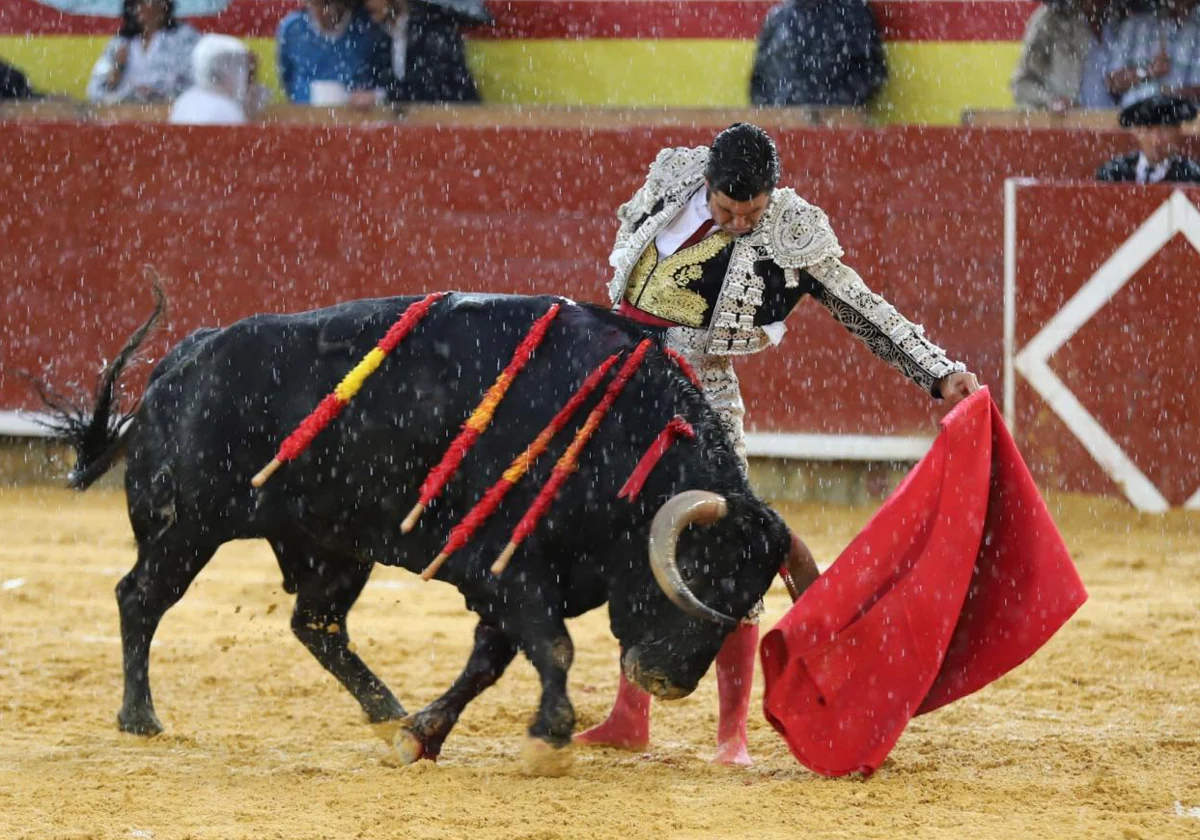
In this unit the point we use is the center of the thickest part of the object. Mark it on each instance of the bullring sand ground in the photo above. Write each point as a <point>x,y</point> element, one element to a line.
<point>1098,736</point>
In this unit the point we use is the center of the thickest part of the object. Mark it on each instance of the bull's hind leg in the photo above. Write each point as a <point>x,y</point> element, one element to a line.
<point>327,585</point>
<point>166,566</point>
<point>422,735</point>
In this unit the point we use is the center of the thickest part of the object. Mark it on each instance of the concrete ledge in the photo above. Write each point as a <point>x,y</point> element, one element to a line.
<point>826,481</point>
<point>37,461</point>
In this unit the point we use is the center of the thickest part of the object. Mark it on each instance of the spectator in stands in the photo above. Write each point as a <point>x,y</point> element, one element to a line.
<point>423,58</point>
<point>327,41</point>
<point>149,60</point>
<point>1156,53</point>
<point>1157,124</point>
<point>13,84</point>
<point>221,82</point>
<point>818,52</point>
<point>1064,57</point>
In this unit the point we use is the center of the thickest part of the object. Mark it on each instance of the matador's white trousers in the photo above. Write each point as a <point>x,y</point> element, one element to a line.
<point>720,385</point>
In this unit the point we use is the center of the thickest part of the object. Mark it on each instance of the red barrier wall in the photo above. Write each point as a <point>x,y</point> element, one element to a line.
<point>284,218</point>
<point>899,20</point>
<point>1132,363</point>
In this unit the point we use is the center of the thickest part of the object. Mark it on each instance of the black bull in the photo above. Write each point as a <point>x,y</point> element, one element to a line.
<point>218,405</point>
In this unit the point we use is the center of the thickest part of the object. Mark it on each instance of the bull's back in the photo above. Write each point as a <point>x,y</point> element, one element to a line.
<point>221,402</point>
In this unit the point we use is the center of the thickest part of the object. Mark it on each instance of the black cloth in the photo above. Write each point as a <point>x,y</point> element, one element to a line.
<point>435,65</point>
<point>13,84</point>
<point>818,52</point>
<point>1123,168</point>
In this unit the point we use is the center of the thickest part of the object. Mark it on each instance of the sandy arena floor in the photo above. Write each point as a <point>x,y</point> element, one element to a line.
<point>1098,736</point>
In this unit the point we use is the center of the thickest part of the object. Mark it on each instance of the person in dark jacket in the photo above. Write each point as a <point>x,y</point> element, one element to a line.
<point>424,58</point>
<point>13,84</point>
<point>818,52</point>
<point>1157,124</point>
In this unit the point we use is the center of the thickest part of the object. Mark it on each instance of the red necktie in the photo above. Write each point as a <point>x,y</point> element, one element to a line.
<point>697,235</point>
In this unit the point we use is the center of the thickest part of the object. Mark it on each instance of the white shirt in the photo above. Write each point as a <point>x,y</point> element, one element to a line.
<point>199,106</point>
<point>679,230</point>
<point>137,63</point>
<point>399,33</point>
<point>1147,174</point>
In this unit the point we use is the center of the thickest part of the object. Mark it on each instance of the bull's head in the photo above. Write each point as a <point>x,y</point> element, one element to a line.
<point>712,577</point>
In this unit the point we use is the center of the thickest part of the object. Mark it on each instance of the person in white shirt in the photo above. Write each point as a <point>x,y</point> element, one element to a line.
<point>150,58</point>
<point>221,70</point>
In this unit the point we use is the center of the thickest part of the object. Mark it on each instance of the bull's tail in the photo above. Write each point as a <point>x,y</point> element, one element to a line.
<point>97,432</point>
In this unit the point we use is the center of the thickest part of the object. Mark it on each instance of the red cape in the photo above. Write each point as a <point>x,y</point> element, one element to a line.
<point>960,577</point>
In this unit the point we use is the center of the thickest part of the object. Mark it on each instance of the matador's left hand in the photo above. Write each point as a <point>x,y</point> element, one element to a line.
<point>957,387</point>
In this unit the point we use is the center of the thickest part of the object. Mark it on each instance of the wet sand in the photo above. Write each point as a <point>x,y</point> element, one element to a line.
<point>1097,736</point>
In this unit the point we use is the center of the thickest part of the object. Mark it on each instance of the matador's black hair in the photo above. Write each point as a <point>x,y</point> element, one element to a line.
<point>743,162</point>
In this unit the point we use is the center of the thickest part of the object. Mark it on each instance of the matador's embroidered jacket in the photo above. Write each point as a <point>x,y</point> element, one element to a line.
<point>729,295</point>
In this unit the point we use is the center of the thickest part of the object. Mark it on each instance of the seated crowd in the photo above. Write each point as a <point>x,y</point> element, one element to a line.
<point>329,52</point>
<point>1141,57</point>
<point>1108,53</point>
<point>1098,54</point>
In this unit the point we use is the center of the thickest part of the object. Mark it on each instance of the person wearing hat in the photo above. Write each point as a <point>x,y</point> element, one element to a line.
<point>1157,124</point>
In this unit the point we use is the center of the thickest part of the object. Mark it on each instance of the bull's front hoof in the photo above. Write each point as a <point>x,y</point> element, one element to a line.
<point>387,730</point>
<point>143,722</point>
<point>541,759</point>
<point>408,747</point>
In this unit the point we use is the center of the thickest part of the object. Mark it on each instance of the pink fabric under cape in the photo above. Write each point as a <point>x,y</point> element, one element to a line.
<point>960,577</point>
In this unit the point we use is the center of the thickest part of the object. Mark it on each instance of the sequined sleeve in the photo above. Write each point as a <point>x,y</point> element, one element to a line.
<point>629,214</point>
<point>876,323</point>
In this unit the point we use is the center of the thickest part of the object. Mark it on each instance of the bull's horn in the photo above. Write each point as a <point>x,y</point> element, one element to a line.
<point>800,569</point>
<point>681,510</point>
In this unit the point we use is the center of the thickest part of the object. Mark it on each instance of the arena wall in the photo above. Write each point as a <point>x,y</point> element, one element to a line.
<point>293,217</point>
<point>1101,340</point>
<point>943,55</point>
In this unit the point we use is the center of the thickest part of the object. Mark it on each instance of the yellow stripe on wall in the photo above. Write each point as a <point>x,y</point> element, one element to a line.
<point>685,73</point>
<point>929,82</point>
<point>935,82</point>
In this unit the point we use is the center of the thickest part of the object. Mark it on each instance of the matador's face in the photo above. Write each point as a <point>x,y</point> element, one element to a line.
<point>737,217</point>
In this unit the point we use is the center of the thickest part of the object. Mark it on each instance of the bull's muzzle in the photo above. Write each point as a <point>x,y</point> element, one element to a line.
<point>650,679</point>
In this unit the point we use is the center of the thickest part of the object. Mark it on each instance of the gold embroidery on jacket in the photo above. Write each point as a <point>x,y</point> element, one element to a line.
<point>661,288</point>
